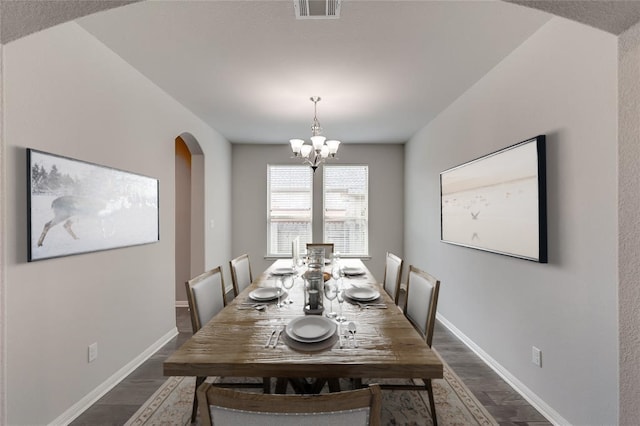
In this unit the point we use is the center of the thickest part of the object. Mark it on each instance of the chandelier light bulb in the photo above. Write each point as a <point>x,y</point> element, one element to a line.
<point>318,142</point>
<point>324,151</point>
<point>333,146</point>
<point>305,150</point>
<point>296,144</point>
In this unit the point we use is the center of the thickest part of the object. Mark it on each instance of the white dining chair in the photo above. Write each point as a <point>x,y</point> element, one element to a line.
<point>392,276</point>
<point>226,407</point>
<point>241,276</point>
<point>206,298</point>
<point>328,249</point>
<point>205,295</point>
<point>420,308</point>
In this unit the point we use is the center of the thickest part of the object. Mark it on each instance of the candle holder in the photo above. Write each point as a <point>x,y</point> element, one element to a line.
<point>314,282</point>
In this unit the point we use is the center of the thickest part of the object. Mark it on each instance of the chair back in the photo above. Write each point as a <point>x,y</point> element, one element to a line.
<point>392,276</point>
<point>422,301</point>
<point>328,249</point>
<point>205,294</point>
<point>221,407</point>
<point>241,276</point>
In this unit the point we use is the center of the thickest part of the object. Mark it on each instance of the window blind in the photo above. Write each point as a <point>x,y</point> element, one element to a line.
<point>290,199</point>
<point>346,208</point>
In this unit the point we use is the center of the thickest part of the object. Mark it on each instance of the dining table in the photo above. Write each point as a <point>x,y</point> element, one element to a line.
<point>251,339</point>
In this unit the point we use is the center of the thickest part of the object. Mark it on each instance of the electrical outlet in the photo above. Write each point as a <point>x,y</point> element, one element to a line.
<point>536,356</point>
<point>93,352</point>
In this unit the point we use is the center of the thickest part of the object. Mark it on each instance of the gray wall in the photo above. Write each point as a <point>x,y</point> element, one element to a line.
<point>249,198</point>
<point>561,82</point>
<point>629,224</point>
<point>66,93</point>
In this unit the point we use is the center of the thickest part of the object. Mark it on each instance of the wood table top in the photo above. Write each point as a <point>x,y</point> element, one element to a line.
<point>233,342</point>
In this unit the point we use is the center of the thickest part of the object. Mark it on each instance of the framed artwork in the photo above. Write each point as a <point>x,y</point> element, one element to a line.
<point>498,202</point>
<point>78,207</point>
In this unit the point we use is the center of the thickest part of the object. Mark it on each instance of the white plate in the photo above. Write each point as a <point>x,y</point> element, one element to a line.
<point>310,329</point>
<point>264,293</point>
<point>362,294</point>
<point>352,271</point>
<point>283,271</point>
<point>327,343</point>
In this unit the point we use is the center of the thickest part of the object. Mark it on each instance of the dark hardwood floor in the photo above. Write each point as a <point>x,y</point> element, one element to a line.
<point>505,404</point>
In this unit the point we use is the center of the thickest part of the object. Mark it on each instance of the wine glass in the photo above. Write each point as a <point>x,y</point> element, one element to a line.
<point>336,270</point>
<point>340,297</point>
<point>287,282</point>
<point>330,292</point>
<point>280,302</point>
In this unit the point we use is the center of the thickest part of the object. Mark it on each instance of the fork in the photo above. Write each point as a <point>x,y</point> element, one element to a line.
<point>273,332</point>
<point>278,333</point>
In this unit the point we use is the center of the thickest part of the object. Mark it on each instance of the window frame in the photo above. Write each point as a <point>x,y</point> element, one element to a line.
<point>269,216</point>
<point>366,252</point>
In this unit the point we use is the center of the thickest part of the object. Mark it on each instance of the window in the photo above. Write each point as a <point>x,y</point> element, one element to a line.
<point>290,199</point>
<point>346,205</point>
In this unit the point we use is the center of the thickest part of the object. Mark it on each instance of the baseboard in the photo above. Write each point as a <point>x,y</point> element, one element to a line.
<point>88,400</point>
<point>552,415</point>
<point>182,304</point>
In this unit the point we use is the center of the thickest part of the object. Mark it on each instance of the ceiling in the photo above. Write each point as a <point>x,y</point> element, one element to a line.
<point>383,70</point>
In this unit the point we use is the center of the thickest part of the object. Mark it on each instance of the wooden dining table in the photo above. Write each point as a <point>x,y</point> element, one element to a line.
<point>232,344</point>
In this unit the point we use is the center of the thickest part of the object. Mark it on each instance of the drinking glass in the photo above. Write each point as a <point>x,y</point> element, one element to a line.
<point>300,261</point>
<point>330,292</point>
<point>280,302</point>
<point>336,270</point>
<point>340,297</point>
<point>287,282</point>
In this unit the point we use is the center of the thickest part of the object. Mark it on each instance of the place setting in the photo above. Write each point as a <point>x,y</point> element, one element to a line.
<point>364,296</point>
<point>284,271</point>
<point>353,272</point>
<point>310,333</point>
<point>262,296</point>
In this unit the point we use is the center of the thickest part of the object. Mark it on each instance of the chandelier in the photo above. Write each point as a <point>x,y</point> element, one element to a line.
<point>320,148</point>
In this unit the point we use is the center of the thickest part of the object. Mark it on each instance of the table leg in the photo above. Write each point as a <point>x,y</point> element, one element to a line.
<point>281,385</point>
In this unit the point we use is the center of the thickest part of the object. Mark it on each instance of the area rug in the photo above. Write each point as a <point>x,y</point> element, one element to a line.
<point>455,405</point>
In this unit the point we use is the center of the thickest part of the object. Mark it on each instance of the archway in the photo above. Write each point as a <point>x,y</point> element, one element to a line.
<point>189,213</point>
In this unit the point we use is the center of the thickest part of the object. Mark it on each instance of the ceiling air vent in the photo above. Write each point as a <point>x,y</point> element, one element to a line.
<point>317,9</point>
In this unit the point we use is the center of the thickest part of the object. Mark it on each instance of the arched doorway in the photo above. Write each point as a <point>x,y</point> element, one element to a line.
<point>189,213</point>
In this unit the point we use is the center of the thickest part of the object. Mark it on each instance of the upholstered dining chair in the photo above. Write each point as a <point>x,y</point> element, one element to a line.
<point>205,294</point>
<point>420,309</point>
<point>241,276</point>
<point>392,276</point>
<point>328,248</point>
<point>224,407</point>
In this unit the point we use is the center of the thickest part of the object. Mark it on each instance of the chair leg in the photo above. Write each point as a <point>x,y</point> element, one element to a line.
<point>281,385</point>
<point>432,402</point>
<point>334,385</point>
<point>194,411</point>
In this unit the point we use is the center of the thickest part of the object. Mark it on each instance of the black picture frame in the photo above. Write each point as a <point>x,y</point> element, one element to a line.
<point>79,207</point>
<point>498,202</point>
